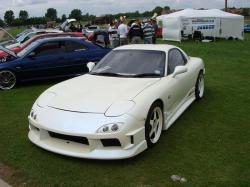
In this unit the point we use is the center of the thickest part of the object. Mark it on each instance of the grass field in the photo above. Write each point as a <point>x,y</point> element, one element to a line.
<point>209,145</point>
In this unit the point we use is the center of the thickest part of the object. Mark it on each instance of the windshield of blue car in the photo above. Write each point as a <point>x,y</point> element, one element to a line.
<point>27,49</point>
<point>132,63</point>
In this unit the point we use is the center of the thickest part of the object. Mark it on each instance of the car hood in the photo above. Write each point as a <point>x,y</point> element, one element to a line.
<point>95,94</point>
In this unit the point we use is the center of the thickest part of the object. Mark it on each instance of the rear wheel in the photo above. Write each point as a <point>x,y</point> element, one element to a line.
<point>200,86</point>
<point>7,80</point>
<point>153,125</point>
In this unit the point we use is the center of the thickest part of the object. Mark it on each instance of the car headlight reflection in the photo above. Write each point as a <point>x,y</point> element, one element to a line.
<point>109,128</point>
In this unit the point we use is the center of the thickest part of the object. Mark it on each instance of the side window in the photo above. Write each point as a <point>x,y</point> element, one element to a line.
<point>28,37</point>
<point>74,46</point>
<point>175,58</point>
<point>50,48</point>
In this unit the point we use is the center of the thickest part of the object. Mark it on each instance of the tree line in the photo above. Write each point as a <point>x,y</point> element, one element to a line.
<point>51,15</point>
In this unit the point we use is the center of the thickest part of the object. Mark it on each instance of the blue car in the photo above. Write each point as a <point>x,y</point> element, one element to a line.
<point>49,58</point>
<point>247,28</point>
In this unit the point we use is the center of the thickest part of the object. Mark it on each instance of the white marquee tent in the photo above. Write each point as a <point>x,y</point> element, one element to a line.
<point>213,22</point>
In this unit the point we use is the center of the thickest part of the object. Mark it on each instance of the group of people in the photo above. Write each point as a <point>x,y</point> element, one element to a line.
<point>138,32</point>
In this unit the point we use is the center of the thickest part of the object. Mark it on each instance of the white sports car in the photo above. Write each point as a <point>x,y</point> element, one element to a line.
<point>120,108</point>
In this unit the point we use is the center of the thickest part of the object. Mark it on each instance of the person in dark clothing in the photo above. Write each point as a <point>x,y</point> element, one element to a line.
<point>135,33</point>
<point>155,26</point>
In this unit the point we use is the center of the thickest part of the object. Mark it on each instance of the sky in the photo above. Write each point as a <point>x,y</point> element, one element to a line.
<point>101,7</point>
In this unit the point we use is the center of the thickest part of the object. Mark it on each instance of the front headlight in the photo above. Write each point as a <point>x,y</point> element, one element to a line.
<point>119,108</point>
<point>110,128</point>
<point>33,114</point>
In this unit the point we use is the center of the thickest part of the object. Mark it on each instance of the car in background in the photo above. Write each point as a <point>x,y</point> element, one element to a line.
<point>27,35</point>
<point>17,49</point>
<point>247,28</point>
<point>26,31</point>
<point>119,108</point>
<point>70,25</point>
<point>90,30</point>
<point>49,58</point>
<point>100,37</point>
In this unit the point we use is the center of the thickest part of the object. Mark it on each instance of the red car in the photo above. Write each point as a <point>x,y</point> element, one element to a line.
<point>37,37</point>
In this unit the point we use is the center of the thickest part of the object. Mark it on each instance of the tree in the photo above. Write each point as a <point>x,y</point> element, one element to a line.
<point>167,8</point>
<point>51,14</point>
<point>9,16</point>
<point>64,17</point>
<point>76,13</point>
<point>23,15</point>
<point>157,10</point>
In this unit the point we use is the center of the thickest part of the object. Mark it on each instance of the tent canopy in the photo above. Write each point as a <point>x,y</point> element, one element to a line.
<point>191,13</point>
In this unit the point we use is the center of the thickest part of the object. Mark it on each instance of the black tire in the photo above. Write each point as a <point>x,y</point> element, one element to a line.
<point>7,80</point>
<point>200,86</point>
<point>151,137</point>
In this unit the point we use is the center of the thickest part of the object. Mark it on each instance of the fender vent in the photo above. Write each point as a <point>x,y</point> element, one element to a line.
<point>77,139</point>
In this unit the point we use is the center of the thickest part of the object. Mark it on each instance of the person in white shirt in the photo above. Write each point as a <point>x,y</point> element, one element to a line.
<point>123,31</point>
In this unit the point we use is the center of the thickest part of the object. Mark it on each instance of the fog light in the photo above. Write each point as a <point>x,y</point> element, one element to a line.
<point>114,127</point>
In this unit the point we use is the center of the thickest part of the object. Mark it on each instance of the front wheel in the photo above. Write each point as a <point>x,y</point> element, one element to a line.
<point>153,125</point>
<point>200,86</point>
<point>7,80</point>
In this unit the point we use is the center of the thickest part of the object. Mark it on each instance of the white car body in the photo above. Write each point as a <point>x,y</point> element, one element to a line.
<point>82,106</point>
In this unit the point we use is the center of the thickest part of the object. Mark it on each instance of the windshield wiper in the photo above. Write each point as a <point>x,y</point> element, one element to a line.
<point>147,75</point>
<point>106,74</point>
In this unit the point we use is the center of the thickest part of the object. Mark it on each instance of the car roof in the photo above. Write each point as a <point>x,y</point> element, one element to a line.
<point>156,47</point>
<point>60,39</point>
<point>56,34</point>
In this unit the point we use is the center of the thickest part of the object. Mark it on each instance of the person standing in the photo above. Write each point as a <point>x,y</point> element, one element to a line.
<point>148,32</point>
<point>155,26</point>
<point>123,31</point>
<point>113,35</point>
<point>135,33</point>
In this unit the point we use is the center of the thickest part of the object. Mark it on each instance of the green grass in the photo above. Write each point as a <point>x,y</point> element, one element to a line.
<point>209,144</point>
<point>15,31</point>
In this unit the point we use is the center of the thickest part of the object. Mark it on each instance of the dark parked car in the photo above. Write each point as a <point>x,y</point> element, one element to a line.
<point>49,58</point>
<point>247,28</point>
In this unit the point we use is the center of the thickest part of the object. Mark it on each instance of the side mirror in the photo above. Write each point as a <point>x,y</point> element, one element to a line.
<point>179,70</point>
<point>32,54</point>
<point>90,65</point>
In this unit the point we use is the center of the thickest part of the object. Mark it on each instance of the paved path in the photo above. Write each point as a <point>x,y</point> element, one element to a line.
<point>3,184</point>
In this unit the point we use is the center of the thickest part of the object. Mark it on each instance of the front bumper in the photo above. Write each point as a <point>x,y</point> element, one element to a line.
<point>132,141</point>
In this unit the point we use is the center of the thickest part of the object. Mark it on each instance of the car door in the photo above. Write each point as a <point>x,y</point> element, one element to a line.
<point>180,83</point>
<point>76,57</point>
<point>43,61</point>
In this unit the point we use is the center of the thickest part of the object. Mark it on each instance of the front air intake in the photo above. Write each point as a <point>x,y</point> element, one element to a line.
<point>111,142</point>
<point>77,139</point>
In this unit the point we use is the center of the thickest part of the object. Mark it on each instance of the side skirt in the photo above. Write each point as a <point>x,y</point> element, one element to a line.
<point>170,119</point>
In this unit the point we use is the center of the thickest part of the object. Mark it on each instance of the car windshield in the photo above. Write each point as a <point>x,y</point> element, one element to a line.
<point>132,63</point>
<point>27,49</point>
